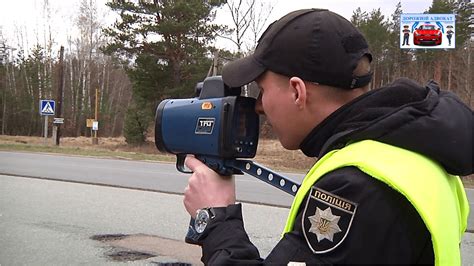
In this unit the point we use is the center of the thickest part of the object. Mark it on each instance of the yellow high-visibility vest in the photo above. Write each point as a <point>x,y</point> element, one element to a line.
<point>438,197</point>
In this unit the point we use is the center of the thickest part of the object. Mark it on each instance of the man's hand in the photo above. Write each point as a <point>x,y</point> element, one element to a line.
<point>206,188</point>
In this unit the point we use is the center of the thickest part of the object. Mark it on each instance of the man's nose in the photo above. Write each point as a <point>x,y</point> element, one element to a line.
<point>259,106</point>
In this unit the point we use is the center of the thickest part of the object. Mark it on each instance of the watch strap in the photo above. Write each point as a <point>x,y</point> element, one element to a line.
<point>215,215</point>
<point>192,236</point>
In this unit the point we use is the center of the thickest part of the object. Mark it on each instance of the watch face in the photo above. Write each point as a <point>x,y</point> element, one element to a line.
<point>200,223</point>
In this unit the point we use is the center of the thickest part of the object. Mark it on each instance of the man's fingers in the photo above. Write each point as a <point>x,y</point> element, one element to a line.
<point>192,163</point>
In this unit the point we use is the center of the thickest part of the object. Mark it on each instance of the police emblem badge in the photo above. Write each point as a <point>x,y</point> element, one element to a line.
<point>327,219</point>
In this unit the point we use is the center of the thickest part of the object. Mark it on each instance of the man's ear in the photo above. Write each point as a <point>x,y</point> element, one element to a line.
<point>298,88</point>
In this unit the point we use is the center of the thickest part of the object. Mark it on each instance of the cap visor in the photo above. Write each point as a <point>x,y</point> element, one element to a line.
<point>242,71</point>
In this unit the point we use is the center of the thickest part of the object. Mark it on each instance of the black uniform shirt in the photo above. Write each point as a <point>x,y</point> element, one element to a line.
<point>385,227</point>
<point>382,227</point>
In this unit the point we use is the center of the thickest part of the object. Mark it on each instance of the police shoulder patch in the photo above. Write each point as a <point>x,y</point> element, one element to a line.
<point>327,219</point>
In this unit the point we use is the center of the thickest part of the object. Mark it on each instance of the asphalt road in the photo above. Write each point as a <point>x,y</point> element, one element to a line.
<point>153,176</point>
<point>52,218</point>
<point>161,177</point>
<point>47,222</point>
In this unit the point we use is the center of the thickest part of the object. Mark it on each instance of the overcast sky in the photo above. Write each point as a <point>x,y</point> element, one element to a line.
<point>27,15</point>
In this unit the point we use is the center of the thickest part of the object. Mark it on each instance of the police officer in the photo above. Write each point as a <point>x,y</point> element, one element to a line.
<point>449,33</point>
<point>406,35</point>
<point>384,189</point>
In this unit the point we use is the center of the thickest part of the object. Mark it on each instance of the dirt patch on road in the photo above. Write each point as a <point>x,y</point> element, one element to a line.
<point>153,249</point>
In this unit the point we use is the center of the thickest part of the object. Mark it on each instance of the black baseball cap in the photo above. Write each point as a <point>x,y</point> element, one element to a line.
<point>316,45</point>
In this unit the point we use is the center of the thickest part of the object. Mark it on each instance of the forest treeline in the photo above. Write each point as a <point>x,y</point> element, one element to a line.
<point>161,49</point>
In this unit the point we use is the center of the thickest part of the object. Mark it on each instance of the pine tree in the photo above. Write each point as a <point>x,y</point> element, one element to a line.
<point>375,29</point>
<point>167,42</point>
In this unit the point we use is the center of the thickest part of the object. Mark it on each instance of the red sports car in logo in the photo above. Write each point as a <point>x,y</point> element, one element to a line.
<point>427,34</point>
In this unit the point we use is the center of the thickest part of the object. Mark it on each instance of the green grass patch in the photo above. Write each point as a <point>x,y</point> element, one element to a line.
<point>96,152</point>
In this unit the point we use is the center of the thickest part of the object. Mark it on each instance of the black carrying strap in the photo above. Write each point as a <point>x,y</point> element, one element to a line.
<point>287,185</point>
<point>230,167</point>
<point>283,183</point>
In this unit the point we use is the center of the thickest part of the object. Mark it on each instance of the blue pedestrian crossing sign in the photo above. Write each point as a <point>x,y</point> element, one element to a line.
<point>47,107</point>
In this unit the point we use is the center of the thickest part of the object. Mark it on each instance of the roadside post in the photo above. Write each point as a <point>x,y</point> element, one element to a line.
<point>47,108</point>
<point>95,124</point>
<point>59,98</point>
<point>57,122</point>
<point>95,128</point>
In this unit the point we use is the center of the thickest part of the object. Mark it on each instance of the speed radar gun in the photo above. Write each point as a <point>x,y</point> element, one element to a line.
<point>220,128</point>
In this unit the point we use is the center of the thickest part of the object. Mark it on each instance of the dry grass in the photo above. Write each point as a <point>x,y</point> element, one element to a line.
<point>111,144</point>
<point>269,153</point>
<point>107,147</point>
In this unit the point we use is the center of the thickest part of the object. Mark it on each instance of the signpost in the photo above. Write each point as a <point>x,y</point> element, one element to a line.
<point>46,109</point>
<point>58,120</point>
<point>59,97</point>
<point>95,126</point>
<point>89,122</point>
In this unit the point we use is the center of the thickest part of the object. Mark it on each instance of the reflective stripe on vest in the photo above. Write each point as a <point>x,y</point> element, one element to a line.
<point>439,198</point>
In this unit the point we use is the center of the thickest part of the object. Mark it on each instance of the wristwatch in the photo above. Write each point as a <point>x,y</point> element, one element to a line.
<point>203,217</point>
<point>199,227</point>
